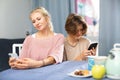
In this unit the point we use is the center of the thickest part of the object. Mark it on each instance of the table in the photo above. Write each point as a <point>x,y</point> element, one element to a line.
<point>51,72</point>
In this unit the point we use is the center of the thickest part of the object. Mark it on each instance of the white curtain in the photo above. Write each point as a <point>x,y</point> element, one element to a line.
<point>109,30</point>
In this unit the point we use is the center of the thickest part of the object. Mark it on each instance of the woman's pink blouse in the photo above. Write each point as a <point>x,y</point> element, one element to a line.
<point>39,49</point>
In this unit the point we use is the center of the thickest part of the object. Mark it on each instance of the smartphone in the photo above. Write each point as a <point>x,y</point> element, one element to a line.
<point>14,55</point>
<point>93,45</point>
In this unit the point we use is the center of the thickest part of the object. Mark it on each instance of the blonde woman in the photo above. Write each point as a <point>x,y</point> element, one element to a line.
<point>42,48</point>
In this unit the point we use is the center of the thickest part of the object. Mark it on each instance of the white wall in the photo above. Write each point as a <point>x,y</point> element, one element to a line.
<point>14,18</point>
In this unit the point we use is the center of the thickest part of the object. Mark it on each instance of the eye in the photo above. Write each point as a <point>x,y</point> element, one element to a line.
<point>80,30</point>
<point>33,21</point>
<point>38,18</point>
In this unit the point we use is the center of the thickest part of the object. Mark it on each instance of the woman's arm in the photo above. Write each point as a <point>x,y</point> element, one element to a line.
<point>57,51</point>
<point>30,63</point>
<point>48,61</point>
<point>85,53</point>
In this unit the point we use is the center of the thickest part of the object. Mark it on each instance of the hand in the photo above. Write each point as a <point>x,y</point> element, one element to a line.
<point>12,62</point>
<point>93,51</point>
<point>28,63</point>
<point>85,53</point>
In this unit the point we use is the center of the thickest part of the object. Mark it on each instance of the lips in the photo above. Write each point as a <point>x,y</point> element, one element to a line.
<point>78,35</point>
<point>38,26</point>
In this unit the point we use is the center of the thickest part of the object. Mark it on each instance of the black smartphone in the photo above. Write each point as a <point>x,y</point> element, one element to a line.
<point>93,45</point>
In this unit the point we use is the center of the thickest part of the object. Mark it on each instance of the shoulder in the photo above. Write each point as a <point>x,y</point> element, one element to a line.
<point>84,39</point>
<point>59,35</point>
<point>66,41</point>
<point>29,38</point>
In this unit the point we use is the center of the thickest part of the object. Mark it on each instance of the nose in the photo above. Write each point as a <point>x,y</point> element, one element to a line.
<point>36,23</point>
<point>79,32</point>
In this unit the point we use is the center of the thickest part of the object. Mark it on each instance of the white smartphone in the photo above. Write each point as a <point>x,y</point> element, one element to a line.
<point>14,55</point>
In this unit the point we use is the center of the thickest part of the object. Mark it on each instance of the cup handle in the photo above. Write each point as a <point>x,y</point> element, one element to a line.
<point>116,45</point>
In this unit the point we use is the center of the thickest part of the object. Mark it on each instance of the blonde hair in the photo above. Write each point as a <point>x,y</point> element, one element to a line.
<point>45,13</point>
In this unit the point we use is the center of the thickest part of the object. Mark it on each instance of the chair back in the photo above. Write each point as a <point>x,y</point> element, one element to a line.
<point>16,47</point>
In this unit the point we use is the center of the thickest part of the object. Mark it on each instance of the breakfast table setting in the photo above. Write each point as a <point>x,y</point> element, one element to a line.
<point>94,68</point>
<point>61,71</point>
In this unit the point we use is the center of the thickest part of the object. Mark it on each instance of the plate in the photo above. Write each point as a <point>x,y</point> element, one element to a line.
<point>113,77</point>
<point>73,75</point>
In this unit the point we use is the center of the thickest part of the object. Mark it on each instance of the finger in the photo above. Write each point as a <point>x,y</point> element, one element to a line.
<point>86,54</point>
<point>22,66</point>
<point>21,61</point>
<point>93,48</point>
<point>11,60</point>
<point>13,65</point>
<point>93,52</point>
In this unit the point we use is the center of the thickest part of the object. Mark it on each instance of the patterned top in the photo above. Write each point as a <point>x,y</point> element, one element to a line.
<point>39,49</point>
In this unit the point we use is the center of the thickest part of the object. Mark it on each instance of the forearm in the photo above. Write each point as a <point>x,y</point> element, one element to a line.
<point>79,58</point>
<point>48,61</point>
<point>45,62</point>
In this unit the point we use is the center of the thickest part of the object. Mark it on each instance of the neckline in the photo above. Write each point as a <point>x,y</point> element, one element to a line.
<point>34,36</point>
<point>68,42</point>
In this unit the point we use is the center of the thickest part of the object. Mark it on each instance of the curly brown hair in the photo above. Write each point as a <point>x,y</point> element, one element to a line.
<point>73,21</point>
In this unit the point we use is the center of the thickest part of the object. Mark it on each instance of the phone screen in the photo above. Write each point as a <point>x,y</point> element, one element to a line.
<point>93,45</point>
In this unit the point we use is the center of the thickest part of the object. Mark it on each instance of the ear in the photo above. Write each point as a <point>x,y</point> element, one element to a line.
<point>48,18</point>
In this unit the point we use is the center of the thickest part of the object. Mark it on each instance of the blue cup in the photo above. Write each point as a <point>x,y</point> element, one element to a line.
<point>91,62</point>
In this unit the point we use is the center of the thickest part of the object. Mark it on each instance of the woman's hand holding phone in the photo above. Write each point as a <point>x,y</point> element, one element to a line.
<point>92,48</point>
<point>13,59</point>
<point>93,52</point>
